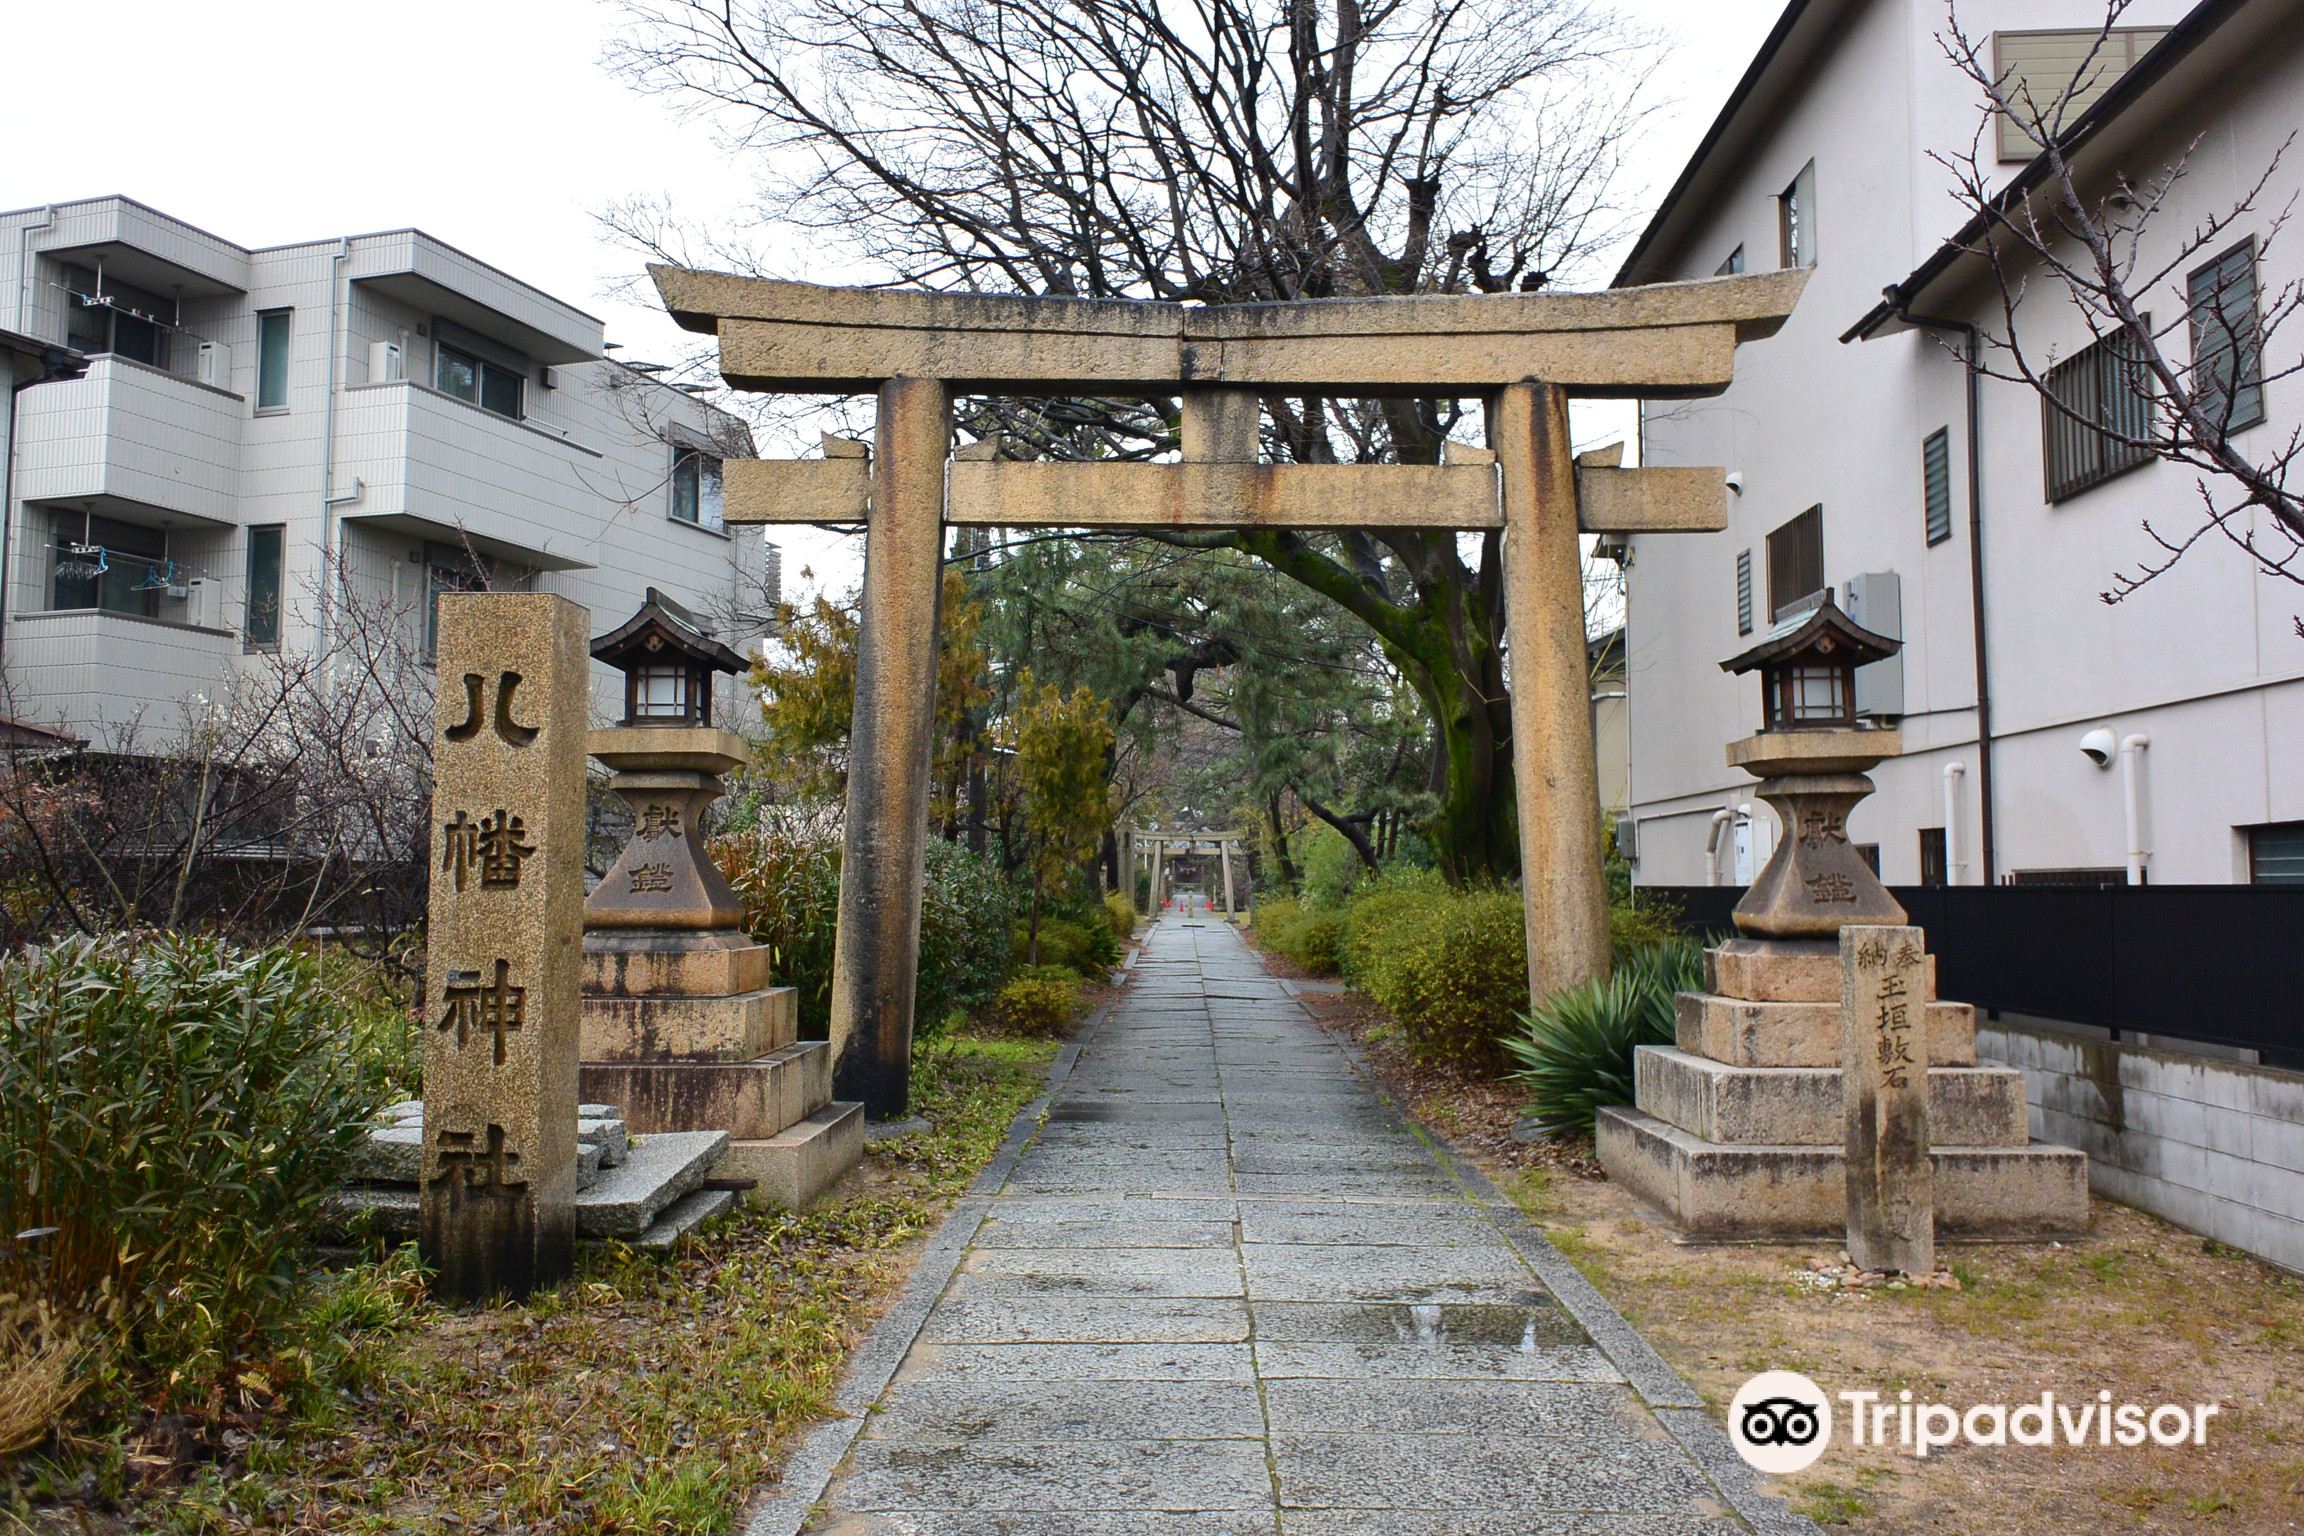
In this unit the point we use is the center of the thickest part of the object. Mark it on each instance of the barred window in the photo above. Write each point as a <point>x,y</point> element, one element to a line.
<point>1795,563</point>
<point>2101,408</point>
<point>2227,341</point>
<point>1936,483</point>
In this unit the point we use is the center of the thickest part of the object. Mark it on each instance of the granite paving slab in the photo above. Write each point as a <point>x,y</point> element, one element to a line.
<point>1217,1286</point>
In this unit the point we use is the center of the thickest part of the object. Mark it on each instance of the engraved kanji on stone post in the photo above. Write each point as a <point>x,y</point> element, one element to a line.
<point>504,951</point>
<point>1884,1093</point>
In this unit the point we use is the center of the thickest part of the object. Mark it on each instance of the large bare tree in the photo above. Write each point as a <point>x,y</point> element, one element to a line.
<point>1216,151</point>
<point>2194,358</point>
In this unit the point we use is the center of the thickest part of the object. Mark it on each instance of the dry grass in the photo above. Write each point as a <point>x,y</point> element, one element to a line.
<point>2141,1308</point>
<point>40,1372</point>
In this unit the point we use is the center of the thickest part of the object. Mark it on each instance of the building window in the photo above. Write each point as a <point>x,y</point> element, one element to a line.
<point>1935,858</point>
<point>490,386</point>
<point>2227,341</point>
<point>2035,68</point>
<point>1936,483</point>
<point>117,567</point>
<point>697,495</point>
<point>1743,591</point>
<point>115,317</point>
<point>2276,854</point>
<point>2096,418</point>
<point>1733,265</point>
<point>272,331</point>
<point>261,627</point>
<point>1795,563</point>
<point>1796,219</point>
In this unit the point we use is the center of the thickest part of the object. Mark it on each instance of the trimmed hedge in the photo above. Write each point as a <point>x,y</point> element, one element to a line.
<point>1039,1000</point>
<point>1300,935</point>
<point>1449,966</point>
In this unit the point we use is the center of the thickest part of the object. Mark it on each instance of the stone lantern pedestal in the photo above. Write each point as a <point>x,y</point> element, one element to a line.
<point>682,1026</point>
<point>1739,1129</point>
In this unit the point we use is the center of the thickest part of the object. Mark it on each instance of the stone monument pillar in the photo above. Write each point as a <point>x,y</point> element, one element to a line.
<point>1884,1092</point>
<point>502,958</point>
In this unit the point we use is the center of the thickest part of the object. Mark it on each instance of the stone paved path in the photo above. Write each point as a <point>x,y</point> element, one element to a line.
<point>1225,1290</point>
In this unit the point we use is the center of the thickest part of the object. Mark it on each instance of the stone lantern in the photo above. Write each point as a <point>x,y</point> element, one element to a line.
<point>1811,756</point>
<point>667,757</point>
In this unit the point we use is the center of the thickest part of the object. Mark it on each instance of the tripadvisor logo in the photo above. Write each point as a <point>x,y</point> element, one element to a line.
<point>1780,1422</point>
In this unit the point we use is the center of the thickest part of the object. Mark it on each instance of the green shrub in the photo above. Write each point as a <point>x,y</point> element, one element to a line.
<point>1039,1000</point>
<point>1575,1048</point>
<point>1120,912</point>
<point>1451,968</point>
<point>1393,898</point>
<point>1087,948</point>
<point>1331,869</point>
<point>174,1109</point>
<point>786,871</point>
<point>1298,934</point>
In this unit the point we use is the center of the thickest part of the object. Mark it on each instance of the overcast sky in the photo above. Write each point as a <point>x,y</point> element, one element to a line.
<point>491,125</point>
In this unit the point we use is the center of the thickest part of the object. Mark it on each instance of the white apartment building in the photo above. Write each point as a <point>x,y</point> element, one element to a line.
<point>1981,540</point>
<point>249,418</point>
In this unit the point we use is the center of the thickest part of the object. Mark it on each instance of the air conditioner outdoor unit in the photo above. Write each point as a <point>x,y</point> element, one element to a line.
<point>215,365</point>
<point>1628,839</point>
<point>385,365</point>
<point>203,602</point>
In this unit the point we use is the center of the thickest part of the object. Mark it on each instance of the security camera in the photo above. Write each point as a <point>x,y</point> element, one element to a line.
<point>1736,481</point>
<point>2099,747</point>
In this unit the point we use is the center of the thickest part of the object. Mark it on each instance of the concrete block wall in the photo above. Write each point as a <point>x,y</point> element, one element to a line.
<point>2214,1146</point>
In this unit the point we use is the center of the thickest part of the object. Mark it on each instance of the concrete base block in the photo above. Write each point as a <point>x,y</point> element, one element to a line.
<point>1801,1106</point>
<point>1709,1190</point>
<point>638,963</point>
<point>626,1201</point>
<point>1742,1033</point>
<point>747,1099</point>
<point>1781,971</point>
<point>684,1216</point>
<point>796,1166</point>
<point>735,1028</point>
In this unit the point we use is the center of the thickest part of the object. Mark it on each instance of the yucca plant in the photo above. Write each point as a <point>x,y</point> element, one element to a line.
<point>1575,1048</point>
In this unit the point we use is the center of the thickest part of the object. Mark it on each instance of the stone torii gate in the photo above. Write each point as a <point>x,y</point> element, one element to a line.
<point>1522,354</point>
<point>1159,846</point>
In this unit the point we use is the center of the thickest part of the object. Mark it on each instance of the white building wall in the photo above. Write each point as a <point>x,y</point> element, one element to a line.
<point>574,498</point>
<point>1812,422</point>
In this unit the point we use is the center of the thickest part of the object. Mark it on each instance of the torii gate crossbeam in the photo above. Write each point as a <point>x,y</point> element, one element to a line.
<point>1523,354</point>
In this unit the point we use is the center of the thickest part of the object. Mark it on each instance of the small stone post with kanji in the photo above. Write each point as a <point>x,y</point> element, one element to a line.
<point>1884,1090</point>
<point>504,949</point>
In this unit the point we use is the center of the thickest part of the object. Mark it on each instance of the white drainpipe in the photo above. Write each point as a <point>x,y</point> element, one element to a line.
<point>2131,791</point>
<point>330,582</point>
<point>1720,819</point>
<point>1954,865</point>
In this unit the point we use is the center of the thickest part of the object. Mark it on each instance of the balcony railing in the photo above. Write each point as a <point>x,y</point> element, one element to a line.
<point>134,434</point>
<point>116,678</point>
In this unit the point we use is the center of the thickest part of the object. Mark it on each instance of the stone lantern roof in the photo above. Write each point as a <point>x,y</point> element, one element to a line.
<point>1824,632</point>
<point>661,630</point>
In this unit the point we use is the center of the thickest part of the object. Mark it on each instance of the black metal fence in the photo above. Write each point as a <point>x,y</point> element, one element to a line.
<point>2222,964</point>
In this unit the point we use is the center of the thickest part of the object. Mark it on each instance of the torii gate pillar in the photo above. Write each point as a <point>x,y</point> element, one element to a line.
<point>875,953</point>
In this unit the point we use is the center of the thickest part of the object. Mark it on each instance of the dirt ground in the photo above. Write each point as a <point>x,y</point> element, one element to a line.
<point>2143,1309</point>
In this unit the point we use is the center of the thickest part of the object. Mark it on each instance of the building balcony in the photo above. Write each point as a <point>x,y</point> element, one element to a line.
<point>127,440</point>
<point>122,681</point>
<point>434,467</point>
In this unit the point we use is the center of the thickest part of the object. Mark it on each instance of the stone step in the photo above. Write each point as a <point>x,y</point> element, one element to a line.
<point>1749,1034</point>
<point>748,1099</point>
<point>622,966</point>
<point>663,1167</point>
<point>1801,1106</point>
<point>394,1154</point>
<point>1780,971</point>
<point>623,1203</point>
<point>742,1027</point>
<point>1749,1192</point>
<point>684,1216</point>
<point>796,1166</point>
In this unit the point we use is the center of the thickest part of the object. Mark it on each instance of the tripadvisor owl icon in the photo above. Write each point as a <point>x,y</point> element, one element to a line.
<point>1780,1422</point>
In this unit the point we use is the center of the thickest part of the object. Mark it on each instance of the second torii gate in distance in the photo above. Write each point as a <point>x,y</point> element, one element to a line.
<point>1522,354</point>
